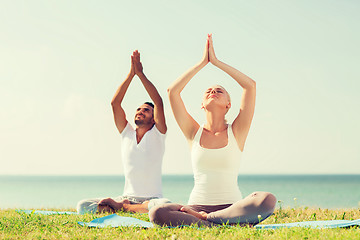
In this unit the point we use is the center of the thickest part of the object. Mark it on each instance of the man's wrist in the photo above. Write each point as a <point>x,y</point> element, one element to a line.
<point>140,74</point>
<point>131,74</point>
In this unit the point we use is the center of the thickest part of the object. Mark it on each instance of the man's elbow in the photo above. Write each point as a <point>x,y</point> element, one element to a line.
<point>115,103</point>
<point>159,103</point>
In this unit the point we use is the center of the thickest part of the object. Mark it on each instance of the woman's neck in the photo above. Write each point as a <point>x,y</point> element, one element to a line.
<point>215,122</point>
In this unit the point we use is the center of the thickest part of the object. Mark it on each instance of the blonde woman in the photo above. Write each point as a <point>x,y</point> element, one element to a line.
<point>216,149</point>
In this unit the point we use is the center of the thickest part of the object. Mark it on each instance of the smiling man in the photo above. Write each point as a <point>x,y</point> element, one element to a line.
<point>142,150</point>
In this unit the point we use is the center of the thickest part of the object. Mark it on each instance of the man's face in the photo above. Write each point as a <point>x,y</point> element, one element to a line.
<point>144,115</point>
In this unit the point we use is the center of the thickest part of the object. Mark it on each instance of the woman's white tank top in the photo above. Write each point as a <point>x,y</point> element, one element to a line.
<point>215,172</point>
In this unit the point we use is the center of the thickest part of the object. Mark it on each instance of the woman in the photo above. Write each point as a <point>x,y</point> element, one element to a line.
<point>216,148</point>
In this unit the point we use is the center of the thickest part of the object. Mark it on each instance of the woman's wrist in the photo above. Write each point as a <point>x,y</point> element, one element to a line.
<point>215,62</point>
<point>202,64</point>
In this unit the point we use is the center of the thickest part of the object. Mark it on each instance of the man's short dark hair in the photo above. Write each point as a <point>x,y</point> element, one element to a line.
<point>150,104</point>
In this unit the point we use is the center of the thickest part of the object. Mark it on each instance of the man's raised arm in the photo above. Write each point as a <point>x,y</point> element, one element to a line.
<point>119,113</point>
<point>159,116</point>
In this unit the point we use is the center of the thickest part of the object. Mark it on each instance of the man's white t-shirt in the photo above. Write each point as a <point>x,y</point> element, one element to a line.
<point>142,162</point>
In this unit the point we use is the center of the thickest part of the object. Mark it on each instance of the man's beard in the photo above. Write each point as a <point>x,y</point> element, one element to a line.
<point>143,122</point>
<point>139,122</point>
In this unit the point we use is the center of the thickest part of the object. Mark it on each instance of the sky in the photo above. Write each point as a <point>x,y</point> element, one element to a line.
<point>62,61</point>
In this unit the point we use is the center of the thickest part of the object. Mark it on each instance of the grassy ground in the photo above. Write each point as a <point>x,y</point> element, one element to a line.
<point>14,225</point>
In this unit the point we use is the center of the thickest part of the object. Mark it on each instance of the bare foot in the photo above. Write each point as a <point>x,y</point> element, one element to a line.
<point>105,209</point>
<point>201,215</point>
<point>123,205</point>
<point>110,205</point>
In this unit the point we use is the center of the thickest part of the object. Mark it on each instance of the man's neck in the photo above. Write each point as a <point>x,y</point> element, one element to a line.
<point>141,130</point>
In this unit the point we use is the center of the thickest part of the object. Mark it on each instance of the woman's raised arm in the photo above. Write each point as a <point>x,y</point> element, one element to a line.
<point>242,122</point>
<point>186,123</point>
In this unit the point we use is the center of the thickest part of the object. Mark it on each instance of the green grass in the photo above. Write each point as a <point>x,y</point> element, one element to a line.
<point>14,225</point>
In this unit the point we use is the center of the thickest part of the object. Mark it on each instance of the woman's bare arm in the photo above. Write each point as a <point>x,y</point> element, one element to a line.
<point>242,122</point>
<point>186,123</point>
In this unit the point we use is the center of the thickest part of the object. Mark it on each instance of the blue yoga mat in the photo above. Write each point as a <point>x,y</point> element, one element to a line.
<point>114,220</point>
<point>45,212</point>
<point>118,221</point>
<point>313,224</point>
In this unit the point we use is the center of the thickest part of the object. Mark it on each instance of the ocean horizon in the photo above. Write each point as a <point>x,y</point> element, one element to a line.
<point>333,191</point>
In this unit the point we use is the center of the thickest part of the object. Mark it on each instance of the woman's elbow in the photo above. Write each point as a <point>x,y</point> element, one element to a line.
<point>173,92</point>
<point>253,84</point>
<point>170,91</point>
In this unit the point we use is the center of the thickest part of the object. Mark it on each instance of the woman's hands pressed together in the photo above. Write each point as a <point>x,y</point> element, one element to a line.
<point>205,59</point>
<point>212,56</point>
<point>209,53</point>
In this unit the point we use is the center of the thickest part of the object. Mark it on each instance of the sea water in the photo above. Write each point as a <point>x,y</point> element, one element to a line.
<point>325,191</point>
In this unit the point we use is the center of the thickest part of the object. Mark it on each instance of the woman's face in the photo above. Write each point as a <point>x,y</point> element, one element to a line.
<point>216,95</point>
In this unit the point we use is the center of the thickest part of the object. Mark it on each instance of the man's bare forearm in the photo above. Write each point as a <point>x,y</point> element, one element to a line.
<point>151,90</point>
<point>120,92</point>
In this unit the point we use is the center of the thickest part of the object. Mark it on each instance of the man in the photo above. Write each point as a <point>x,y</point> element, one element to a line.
<point>142,150</point>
